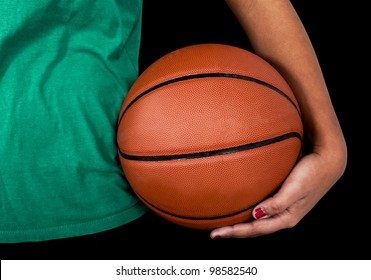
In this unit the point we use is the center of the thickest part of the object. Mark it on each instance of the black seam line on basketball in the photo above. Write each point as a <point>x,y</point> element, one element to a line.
<point>205,218</point>
<point>211,153</point>
<point>209,75</point>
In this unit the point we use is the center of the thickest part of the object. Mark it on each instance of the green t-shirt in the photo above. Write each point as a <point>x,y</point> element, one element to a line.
<point>65,68</point>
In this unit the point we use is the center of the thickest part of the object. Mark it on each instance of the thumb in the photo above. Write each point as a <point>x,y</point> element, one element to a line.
<point>262,210</point>
<point>275,205</point>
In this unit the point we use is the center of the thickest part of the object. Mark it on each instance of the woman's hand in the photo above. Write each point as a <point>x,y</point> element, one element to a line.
<point>308,182</point>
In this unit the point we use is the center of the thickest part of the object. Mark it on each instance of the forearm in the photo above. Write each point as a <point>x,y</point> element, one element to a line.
<point>277,34</point>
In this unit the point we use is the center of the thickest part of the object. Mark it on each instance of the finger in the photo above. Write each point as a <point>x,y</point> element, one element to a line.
<point>251,229</point>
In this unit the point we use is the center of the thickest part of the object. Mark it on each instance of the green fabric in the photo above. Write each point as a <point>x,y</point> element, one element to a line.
<point>65,68</point>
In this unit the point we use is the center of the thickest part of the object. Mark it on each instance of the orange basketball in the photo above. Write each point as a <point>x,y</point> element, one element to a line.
<point>207,132</point>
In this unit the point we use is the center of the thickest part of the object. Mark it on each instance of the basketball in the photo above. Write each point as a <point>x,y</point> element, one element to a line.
<point>206,133</point>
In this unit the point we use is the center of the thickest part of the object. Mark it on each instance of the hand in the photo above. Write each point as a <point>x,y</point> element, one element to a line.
<point>308,182</point>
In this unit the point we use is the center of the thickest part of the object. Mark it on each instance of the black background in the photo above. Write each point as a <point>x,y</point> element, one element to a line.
<point>336,228</point>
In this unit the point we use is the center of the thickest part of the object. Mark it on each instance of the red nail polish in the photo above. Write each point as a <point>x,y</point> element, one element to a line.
<point>259,213</point>
<point>216,237</point>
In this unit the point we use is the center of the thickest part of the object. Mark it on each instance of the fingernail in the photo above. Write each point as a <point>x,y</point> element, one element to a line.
<point>259,213</point>
<point>215,237</point>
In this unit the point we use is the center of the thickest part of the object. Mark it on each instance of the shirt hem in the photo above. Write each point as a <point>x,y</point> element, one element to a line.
<point>73,230</point>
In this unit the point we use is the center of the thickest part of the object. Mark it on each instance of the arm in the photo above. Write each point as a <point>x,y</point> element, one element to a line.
<point>277,35</point>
